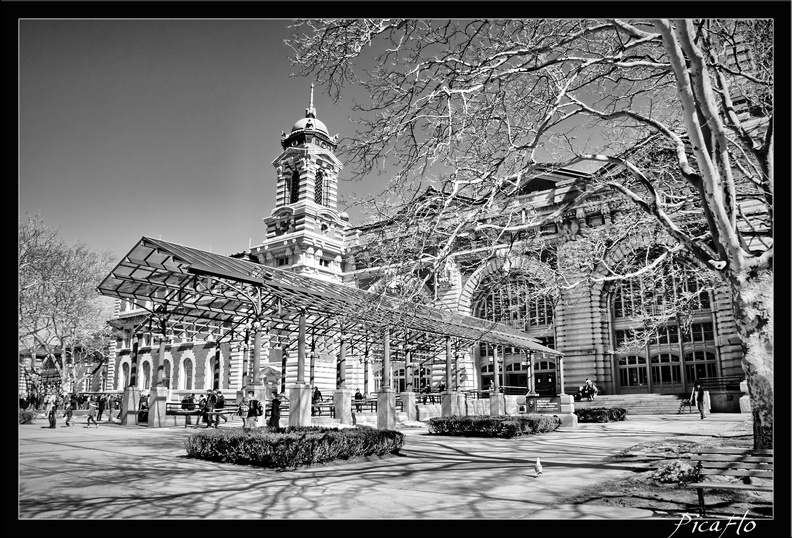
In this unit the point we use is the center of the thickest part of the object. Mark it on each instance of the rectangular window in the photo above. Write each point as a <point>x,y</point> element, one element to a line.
<point>595,220</point>
<point>282,261</point>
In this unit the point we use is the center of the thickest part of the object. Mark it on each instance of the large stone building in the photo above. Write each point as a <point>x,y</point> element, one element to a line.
<point>587,323</point>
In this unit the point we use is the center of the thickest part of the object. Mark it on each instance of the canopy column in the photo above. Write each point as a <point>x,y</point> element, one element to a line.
<point>408,396</point>
<point>386,398</point>
<point>449,399</point>
<point>300,392</point>
<point>497,401</point>
<point>131,398</point>
<point>158,395</point>
<point>342,397</point>
<point>253,381</point>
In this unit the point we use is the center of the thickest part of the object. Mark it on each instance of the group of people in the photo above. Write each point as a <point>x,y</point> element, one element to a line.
<point>211,406</point>
<point>250,408</point>
<point>68,403</point>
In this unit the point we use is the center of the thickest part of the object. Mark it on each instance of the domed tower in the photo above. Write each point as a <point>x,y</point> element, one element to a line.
<point>305,232</point>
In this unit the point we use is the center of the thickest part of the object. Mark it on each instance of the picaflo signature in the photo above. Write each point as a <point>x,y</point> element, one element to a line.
<point>720,526</point>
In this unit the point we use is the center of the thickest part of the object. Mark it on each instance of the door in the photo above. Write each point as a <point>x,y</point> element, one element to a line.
<point>545,383</point>
<point>518,382</point>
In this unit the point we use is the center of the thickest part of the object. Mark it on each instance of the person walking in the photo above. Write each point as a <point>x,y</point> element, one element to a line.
<point>209,409</point>
<point>101,406</point>
<point>698,396</point>
<point>255,410</point>
<point>52,409</point>
<point>316,398</point>
<point>92,411</point>
<point>219,405</point>
<point>69,414</point>
<point>188,404</point>
<point>274,419</point>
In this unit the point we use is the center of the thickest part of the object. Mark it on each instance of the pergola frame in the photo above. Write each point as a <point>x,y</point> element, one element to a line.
<point>229,295</point>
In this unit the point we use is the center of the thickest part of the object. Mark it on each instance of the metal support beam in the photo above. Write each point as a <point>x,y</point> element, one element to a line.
<point>385,359</point>
<point>158,366</point>
<point>133,366</point>
<point>257,352</point>
<point>301,350</point>
<point>408,373</point>
<point>496,368</point>
<point>448,363</point>
<point>342,363</point>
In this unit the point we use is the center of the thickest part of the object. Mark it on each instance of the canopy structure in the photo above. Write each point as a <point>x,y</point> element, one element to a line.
<point>224,296</point>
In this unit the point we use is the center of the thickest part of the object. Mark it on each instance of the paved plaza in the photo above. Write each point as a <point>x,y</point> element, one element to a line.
<point>115,472</point>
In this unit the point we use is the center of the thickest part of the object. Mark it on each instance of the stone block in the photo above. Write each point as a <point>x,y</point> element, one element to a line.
<point>342,400</point>
<point>497,405</point>
<point>427,411</point>
<point>158,399</point>
<point>300,405</point>
<point>568,420</point>
<point>386,409</point>
<point>130,403</point>
<point>408,405</point>
<point>510,405</point>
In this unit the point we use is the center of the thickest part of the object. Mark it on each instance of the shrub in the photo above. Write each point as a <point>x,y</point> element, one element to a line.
<point>675,472</point>
<point>291,447</point>
<point>26,416</point>
<point>601,414</point>
<point>489,426</point>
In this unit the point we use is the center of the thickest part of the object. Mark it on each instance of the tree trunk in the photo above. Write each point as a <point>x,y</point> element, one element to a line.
<point>753,312</point>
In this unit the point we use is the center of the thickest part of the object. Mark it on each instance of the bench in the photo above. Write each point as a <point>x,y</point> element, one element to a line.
<point>175,409</point>
<point>731,462</point>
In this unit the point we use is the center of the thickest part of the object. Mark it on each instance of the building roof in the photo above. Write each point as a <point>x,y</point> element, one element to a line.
<point>188,285</point>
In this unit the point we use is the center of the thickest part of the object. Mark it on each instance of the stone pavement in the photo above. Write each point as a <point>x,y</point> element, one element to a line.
<point>115,472</point>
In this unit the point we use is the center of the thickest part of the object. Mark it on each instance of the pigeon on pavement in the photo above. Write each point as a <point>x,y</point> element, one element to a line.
<point>538,467</point>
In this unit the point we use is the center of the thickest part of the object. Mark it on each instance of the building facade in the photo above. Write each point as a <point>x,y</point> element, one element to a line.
<point>589,323</point>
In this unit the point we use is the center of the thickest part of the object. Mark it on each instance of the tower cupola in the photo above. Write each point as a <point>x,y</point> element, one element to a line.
<point>309,130</point>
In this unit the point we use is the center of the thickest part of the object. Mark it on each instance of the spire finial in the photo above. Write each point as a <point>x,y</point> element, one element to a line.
<point>310,112</point>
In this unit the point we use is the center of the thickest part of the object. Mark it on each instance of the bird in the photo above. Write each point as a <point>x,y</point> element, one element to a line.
<point>538,467</point>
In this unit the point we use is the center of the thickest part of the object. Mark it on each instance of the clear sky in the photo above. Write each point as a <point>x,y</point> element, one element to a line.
<point>162,128</point>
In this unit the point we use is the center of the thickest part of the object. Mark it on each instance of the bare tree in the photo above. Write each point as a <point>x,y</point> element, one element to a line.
<point>679,114</point>
<point>59,308</point>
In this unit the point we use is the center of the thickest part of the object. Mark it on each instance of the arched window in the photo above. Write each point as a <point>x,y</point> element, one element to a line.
<point>319,187</point>
<point>674,286</point>
<point>210,372</point>
<point>145,376</point>
<point>186,381</point>
<point>124,378</point>
<point>167,374</point>
<point>294,187</point>
<point>515,301</point>
<point>399,380</point>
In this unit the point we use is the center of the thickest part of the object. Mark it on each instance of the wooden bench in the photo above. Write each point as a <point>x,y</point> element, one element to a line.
<point>747,464</point>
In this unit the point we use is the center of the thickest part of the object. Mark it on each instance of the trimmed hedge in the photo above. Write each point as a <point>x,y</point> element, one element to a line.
<point>601,414</point>
<point>291,447</point>
<point>26,417</point>
<point>489,426</point>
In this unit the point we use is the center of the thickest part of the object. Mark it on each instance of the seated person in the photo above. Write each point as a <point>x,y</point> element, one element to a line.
<point>590,390</point>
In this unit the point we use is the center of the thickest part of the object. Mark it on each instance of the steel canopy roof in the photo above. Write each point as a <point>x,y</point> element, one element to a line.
<point>226,294</point>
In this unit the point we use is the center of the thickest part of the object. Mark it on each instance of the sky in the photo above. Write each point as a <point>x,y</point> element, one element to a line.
<point>159,128</point>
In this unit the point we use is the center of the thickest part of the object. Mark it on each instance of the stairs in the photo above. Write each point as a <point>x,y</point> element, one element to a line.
<point>641,404</point>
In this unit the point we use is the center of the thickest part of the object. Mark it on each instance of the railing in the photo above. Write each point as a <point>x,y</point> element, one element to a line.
<point>722,383</point>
